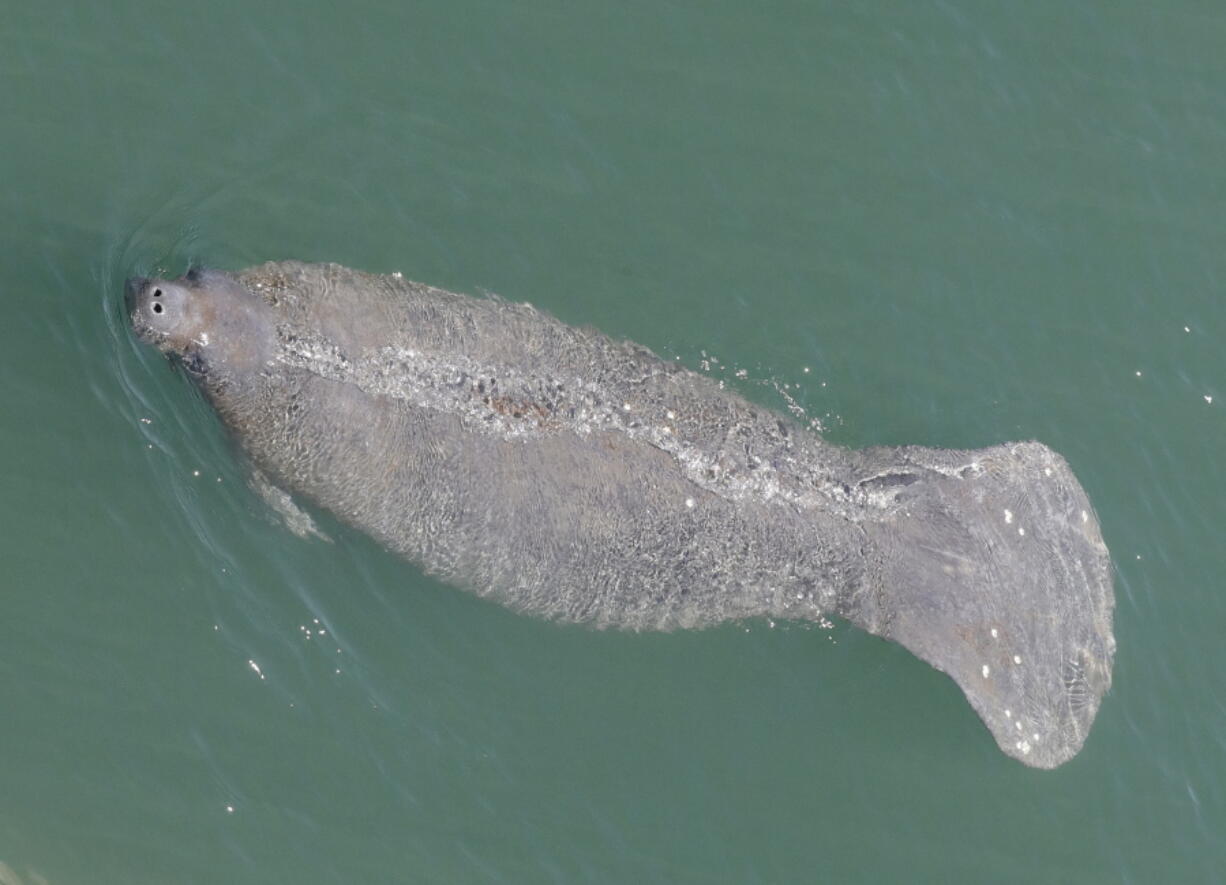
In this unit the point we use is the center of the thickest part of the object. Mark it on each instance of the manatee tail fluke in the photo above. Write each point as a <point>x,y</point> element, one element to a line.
<point>989,565</point>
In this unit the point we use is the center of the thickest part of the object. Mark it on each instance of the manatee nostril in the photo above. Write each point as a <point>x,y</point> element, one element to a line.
<point>157,293</point>
<point>157,307</point>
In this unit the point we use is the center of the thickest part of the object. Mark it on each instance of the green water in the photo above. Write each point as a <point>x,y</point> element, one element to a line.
<point>971,222</point>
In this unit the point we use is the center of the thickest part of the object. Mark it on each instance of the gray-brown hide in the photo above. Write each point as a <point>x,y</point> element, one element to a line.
<point>574,477</point>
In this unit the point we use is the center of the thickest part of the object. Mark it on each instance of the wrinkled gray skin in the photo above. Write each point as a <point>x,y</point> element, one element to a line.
<point>574,477</point>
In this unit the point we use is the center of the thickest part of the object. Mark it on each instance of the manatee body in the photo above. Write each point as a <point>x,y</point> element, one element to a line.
<point>575,477</point>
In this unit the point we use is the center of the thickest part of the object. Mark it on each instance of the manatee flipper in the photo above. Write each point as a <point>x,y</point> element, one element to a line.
<point>991,568</point>
<point>282,503</point>
<point>8,876</point>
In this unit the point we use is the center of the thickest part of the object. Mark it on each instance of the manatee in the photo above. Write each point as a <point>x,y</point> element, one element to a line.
<point>575,477</point>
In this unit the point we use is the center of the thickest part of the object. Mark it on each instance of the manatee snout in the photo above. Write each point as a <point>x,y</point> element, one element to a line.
<point>146,303</point>
<point>166,313</point>
<point>206,319</point>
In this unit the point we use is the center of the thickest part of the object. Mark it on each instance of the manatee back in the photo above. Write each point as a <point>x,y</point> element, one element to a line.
<point>553,469</point>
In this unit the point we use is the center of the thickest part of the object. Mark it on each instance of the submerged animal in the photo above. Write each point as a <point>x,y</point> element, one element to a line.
<point>576,477</point>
